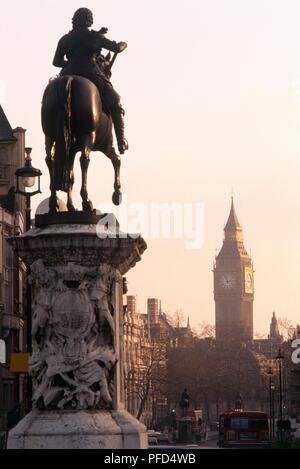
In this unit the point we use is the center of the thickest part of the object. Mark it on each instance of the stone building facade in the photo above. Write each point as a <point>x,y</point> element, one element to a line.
<point>137,345</point>
<point>148,340</point>
<point>12,321</point>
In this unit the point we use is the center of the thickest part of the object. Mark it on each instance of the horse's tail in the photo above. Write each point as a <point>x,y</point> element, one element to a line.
<point>63,137</point>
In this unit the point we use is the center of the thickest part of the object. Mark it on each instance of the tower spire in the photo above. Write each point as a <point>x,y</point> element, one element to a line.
<point>274,329</point>
<point>233,243</point>
<point>232,222</point>
<point>233,229</point>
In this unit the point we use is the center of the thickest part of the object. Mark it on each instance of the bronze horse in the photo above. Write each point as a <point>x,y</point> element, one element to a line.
<point>73,121</point>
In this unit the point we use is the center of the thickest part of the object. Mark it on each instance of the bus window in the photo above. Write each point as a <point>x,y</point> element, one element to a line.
<point>239,422</point>
<point>259,424</point>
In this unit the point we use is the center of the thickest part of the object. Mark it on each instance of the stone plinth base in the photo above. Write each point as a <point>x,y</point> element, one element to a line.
<point>77,266</point>
<point>102,429</point>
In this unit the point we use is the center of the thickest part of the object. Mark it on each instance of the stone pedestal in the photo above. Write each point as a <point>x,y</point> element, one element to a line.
<point>99,429</point>
<point>77,361</point>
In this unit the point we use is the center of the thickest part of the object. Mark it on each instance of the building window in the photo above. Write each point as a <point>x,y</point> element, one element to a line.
<point>3,156</point>
<point>4,172</point>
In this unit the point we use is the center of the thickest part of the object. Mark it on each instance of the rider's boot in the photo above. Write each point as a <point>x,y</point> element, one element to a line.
<point>117,115</point>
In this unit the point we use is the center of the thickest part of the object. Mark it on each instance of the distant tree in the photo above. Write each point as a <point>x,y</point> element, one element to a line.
<point>177,319</point>
<point>286,328</point>
<point>259,335</point>
<point>214,373</point>
<point>205,330</point>
<point>148,377</point>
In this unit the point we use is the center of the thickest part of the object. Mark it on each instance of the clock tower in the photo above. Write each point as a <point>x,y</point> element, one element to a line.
<point>233,285</point>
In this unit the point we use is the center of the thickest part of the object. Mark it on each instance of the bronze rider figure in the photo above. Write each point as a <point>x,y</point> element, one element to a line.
<point>78,52</point>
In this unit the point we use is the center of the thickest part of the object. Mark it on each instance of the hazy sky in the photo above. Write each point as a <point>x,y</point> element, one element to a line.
<point>211,90</point>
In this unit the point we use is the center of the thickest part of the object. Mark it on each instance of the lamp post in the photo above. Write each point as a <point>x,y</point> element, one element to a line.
<point>273,408</point>
<point>173,423</point>
<point>279,359</point>
<point>26,179</point>
<point>271,404</point>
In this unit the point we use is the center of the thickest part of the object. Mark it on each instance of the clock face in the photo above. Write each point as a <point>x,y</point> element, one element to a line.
<point>248,282</point>
<point>227,281</point>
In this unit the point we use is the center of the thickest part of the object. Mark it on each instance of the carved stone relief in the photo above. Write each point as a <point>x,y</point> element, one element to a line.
<point>73,335</point>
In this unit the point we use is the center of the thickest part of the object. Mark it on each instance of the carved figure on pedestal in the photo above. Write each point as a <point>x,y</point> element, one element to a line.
<point>43,281</point>
<point>101,294</point>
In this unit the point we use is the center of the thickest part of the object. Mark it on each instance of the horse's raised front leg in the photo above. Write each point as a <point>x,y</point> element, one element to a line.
<point>53,203</point>
<point>87,205</point>
<point>70,205</point>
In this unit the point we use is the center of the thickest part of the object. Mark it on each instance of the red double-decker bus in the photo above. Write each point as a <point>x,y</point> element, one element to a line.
<point>240,428</point>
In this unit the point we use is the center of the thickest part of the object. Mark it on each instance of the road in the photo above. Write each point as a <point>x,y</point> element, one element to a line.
<point>209,443</point>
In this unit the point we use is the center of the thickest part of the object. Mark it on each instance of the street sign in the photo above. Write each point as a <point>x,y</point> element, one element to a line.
<point>19,362</point>
<point>2,351</point>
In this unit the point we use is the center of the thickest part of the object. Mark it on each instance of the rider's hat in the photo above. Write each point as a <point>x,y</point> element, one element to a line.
<point>83,17</point>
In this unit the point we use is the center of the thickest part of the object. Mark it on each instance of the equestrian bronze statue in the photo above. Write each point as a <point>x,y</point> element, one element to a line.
<point>80,108</point>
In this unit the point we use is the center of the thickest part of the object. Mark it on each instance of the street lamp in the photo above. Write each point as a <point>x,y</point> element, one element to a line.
<point>271,402</point>
<point>26,179</point>
<point>173,421</point>
<point>279,358</point>
<point>273,408</point>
